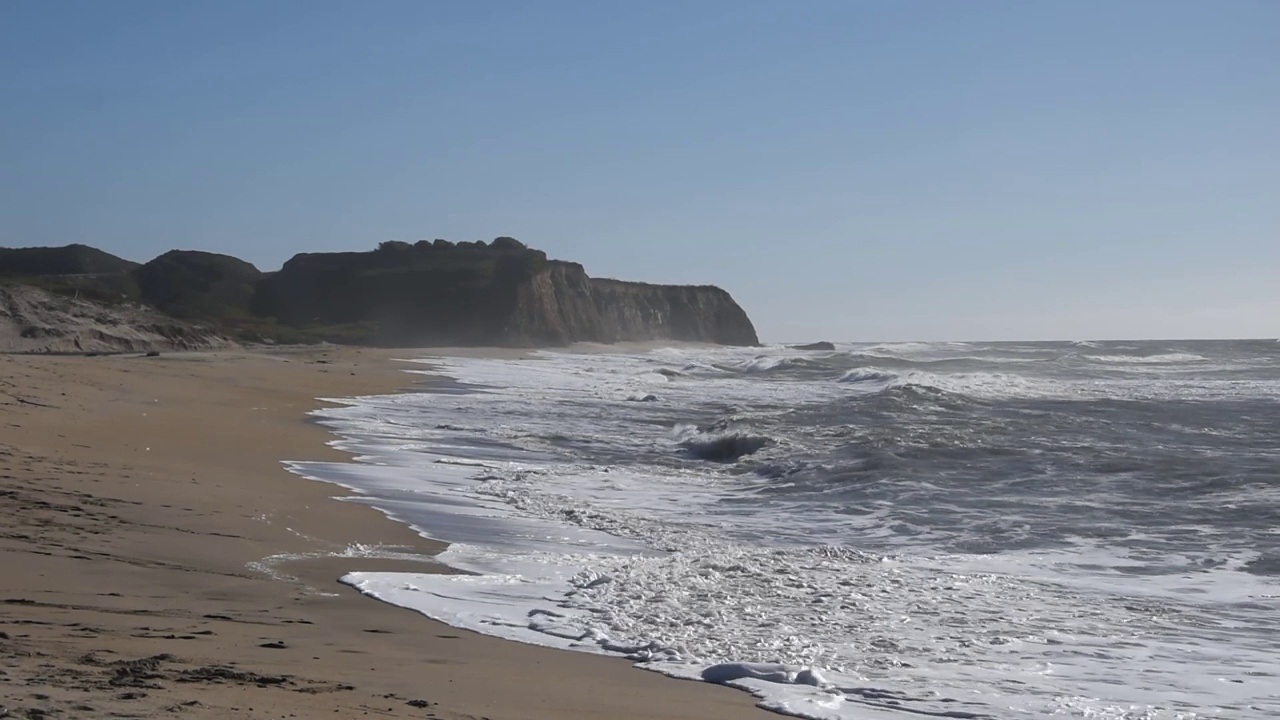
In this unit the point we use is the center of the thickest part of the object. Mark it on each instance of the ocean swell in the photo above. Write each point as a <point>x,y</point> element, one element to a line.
<point>765,363</point>
<point>868,375</point>
<point>848,542</point>
<point>720,447</point>
<point>1161,359</point>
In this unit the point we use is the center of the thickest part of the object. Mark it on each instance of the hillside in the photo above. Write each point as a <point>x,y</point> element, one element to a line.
<point>67,260</point>
<point>34,320</point>
<point>414,295</point>
<point>198,285</point>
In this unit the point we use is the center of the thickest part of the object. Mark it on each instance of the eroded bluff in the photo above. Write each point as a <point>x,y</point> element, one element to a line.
<point>501,293</point>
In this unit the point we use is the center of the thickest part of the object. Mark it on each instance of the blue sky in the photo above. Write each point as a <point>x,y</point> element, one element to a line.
<point>848,170</point>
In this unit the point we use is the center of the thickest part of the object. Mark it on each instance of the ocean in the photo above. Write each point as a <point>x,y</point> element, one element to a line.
<point>970,530</point>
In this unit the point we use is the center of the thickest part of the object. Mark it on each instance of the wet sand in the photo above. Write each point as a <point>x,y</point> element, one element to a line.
<point>145,511</point>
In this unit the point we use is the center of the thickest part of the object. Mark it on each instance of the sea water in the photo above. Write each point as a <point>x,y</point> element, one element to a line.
<point>1007,530</point>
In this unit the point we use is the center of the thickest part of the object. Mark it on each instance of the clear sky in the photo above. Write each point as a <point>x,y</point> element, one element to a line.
<point>848,170</point>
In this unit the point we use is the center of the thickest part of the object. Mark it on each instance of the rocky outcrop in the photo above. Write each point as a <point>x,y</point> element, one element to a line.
<point>561,305</point>
<point>554,305</point>
<point>408,295</point>
<point>694,313</point>
<point>33,320</point>
<point>499,294</point>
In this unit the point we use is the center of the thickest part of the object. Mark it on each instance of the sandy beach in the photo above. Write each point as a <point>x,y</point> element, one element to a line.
<point>144,504</point>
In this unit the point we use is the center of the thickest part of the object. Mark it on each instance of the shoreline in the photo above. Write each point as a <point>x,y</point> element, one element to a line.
<point>142,489</point>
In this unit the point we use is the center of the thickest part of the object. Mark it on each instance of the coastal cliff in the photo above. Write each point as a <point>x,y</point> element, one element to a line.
<point>561,304</point>
<point>498,294</point>
<point>699,313</point>
<point>409,295</point>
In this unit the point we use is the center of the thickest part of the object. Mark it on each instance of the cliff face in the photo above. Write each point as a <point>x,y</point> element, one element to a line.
<point>405,295</point>
<point>561,304</point>
<point>639,311</point>
<point>554,306</point>
<point>499,294</point>
<point>409,295</point>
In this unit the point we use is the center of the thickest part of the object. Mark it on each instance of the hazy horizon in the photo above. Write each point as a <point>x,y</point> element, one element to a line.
<point>902,171</point>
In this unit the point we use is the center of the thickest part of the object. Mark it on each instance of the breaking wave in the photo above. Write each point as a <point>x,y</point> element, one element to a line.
<point>765,363</point>
<point>721,447</point>
<point>1166,358</point>
<point>953,532</point>
<point>868,375</point>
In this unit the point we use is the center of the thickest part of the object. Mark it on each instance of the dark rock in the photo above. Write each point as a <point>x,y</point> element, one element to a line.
<point>137,672</point>
<point>222,673</point>
<point>824,345</point>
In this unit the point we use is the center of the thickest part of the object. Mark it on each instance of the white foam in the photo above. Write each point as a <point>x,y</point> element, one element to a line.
<point>868,375</point>
<point>1161,359</point>
<point>660,566</point>
<point>903,348</point>
<point>987,384</point>
<point>764,363</point>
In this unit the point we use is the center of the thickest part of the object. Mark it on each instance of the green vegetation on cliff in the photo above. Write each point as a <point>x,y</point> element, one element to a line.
<point>72,270</point>
<point>191,285</point>
<point>427,293</point>
<point>66,260</point>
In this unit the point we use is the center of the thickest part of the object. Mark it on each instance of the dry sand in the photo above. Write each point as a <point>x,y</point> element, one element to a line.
<point>136,495</point>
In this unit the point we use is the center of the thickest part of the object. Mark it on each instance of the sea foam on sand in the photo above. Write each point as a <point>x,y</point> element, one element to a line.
<point>671,568</point>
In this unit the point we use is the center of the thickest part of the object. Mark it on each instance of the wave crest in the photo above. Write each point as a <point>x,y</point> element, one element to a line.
<point>722,446</point>
<point>1165,358</point>
<point>765,363</point>
<point>868,375</point>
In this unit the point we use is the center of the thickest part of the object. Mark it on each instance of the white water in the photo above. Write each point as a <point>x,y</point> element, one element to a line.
<point>673,566</point>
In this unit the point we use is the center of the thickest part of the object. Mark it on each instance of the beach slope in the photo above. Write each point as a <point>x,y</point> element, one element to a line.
<point>157,560</point>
